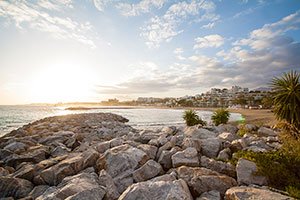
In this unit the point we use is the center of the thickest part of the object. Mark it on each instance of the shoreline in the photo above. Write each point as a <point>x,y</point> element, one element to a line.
<point>253,116</point>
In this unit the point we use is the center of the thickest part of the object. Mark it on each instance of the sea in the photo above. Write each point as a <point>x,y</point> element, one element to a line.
<point>13,117</point>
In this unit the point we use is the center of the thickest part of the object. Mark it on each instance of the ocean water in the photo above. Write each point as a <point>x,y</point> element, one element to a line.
<point>13,117</point>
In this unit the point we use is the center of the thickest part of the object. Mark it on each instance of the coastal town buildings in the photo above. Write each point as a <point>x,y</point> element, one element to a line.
<point>235,97</point>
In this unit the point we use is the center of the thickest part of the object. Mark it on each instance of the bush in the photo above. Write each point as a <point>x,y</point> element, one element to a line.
<point>220,116</point>
<point>286,98</point>
<point>191,118</point>
<point>282,167</point>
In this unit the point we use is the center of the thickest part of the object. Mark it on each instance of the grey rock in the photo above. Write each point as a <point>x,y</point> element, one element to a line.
<point>80,186</point>
<point>120,162</point>
<point>149,170</point>
<point>166,146</point>
<point>111,190</point>
<point>159,190</point>
<point>149,150</point>
<point>218,166</point>
<point>225,154</point>
<point>103,146</point>
<point>70,166</point>
<point>228,136</point>
<point>38,191</point>
<point>246,173</point>
<point>16,147</point>
<point>211,195</point>
<point>211,147</point>
<point>187,157</point>
<point>263,131</point>
<point>227,128</point>
<point>165,158</point>
<point>192,142</point>
<point>201,133</point>
<point>14,187</point>
<point>202,180</point>
<point>249,193</point>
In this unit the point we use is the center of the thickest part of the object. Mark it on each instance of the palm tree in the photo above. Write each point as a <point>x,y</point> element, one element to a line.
<point>286,98</point>
<point>191,118</point>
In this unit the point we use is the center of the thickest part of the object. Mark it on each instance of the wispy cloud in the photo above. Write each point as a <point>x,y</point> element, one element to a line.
<point>143,6</point>
<point>209,41</point>
<point>38,16</point>
<point>164,28</point>
<point>101,4</point>
<point>178,52</point>
<point>209,25</point>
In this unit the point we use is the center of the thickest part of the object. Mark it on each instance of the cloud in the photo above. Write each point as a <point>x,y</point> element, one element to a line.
<point>165,28</point>
<point>271,34</point>
<point>244,65</point>
<point>178,52</point>
<point>209,25</point>
<point>209,41</point>
<point>143,6</point>
<point>57,5</point>
<point>37,16</point>
<point>101,4</point>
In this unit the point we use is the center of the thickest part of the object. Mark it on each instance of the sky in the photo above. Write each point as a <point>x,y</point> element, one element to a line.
<point>90,50</point>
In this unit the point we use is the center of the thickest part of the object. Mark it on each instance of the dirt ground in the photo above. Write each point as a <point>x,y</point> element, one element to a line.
<point>258,117</point>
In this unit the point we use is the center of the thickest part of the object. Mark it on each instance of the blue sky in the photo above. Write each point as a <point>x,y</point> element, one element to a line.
<point>90,50</point>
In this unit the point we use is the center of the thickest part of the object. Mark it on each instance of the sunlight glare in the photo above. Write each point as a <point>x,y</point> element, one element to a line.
<point>62,83</point>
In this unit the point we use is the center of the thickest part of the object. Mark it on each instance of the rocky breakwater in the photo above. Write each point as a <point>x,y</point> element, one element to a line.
<point>98,156</point>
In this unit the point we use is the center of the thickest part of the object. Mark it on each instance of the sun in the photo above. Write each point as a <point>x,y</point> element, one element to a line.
<point>65,82</point>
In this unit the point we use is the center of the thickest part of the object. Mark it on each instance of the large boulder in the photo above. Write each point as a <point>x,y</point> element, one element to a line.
<point>159,190</point>
<point>263,131</point>
<point>211,195</point>
<point>187,157</point>
<point>218,166</point>
<point>202,180</point>
<point>80,186</point>
<point>16,147</point>
<point>249,193</point>
<point>199,133</point>
<point>247,173</point>
<point>14,187</point>
<point>120,162</point>
<point>228,136</point>
<point>227,128</point>
<point>111,190</point>
<point>150,150</point>
<point>211,147</point>
<point>149,170</point>
<point>191,142</point>
<point>67,167</point>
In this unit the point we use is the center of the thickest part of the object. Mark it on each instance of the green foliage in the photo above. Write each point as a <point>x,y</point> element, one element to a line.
<point>220,116</point>
<point>286,98</point>
<point>282,167</point>
<point>191,118</point>
<point>242,130</point>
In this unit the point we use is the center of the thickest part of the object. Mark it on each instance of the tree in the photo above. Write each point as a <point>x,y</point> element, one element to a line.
<point>191,118</point>
<point>220,116</point>
<point>286,98</point>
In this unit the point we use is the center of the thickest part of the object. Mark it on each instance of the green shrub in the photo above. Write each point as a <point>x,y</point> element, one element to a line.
<point>282,167</point>
<point>220,116</point>
<point>242,130</point>
<point>191,118</point>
